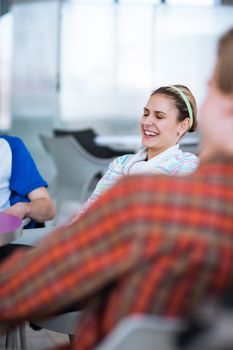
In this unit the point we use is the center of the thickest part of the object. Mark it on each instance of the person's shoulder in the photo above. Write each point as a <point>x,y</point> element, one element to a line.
<point>13,141</point>
<point>187,162</point>
<point>18,149</point>
<point>187,156</point>
<point>5,146</point>
<point>126,157</point>
<point>3,140</point>
<point>122,159</point>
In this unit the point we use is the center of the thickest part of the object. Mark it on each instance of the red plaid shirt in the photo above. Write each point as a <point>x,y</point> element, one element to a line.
<point>151,244</point>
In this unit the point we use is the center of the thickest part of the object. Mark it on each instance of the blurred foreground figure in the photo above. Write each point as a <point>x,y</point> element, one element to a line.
<point>151,244</point>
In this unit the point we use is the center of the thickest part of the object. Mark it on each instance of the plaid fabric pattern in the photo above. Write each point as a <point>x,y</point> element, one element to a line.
<point>151,244</point>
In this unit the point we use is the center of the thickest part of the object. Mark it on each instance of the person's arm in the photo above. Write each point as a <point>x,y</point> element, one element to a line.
<point>26,184</point>
<point>59,270</point>
<point>40,208</point>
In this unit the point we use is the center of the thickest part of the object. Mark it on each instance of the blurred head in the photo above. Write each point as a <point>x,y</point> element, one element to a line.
<point>166,118</point>
<point>217,108</point>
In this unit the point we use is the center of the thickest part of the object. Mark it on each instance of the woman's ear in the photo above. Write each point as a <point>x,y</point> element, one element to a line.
<point>184,126</point>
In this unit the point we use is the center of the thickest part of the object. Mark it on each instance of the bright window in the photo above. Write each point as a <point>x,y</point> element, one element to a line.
<point>106,59</point>
<point>143,2</point>
<point>114,55</point>
<point>192,2</point>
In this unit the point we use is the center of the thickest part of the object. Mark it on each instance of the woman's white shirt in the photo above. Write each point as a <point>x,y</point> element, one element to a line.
<point>173,161</point>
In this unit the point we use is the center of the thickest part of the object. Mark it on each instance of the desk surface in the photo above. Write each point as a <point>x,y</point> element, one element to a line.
<point>10,228</point>
<point>32,236</point>
<point>134,141</point>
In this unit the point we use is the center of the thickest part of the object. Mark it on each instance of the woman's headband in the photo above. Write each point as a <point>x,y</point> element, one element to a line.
<point>188,104</point>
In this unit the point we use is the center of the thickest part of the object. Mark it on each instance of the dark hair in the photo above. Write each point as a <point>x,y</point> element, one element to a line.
<point>224,67</point>
<point>179,102</point>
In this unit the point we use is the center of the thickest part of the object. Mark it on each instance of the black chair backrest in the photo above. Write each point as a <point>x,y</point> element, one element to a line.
<point>86,138</point>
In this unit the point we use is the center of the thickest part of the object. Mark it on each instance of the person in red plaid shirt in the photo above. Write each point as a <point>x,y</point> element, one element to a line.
<point>152,244</point>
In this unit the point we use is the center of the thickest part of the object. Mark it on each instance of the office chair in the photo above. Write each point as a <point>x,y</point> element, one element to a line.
<point>145,332</point>
<point>77,171</point>
<point>86,138</point>
<point>135,332</point>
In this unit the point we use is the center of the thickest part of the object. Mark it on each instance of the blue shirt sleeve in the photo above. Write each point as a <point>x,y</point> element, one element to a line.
<point>25,176</point>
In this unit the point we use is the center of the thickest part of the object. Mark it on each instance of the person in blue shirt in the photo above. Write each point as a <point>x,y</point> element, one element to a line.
<point>22,189</point>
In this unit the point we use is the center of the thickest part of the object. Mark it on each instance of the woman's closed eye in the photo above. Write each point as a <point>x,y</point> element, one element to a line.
<point>156,114</point>
<point>160,115</point>
<point>146,113</point>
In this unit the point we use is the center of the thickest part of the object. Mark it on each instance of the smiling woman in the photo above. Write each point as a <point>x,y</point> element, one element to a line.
<point>169,113</point>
